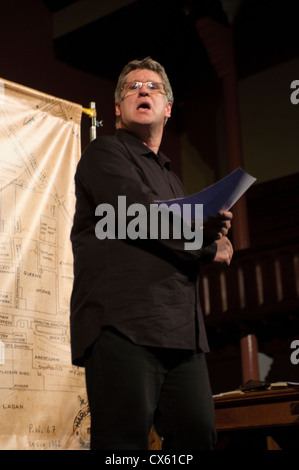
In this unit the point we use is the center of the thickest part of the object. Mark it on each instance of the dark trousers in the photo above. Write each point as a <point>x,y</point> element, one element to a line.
<point>131,387</point>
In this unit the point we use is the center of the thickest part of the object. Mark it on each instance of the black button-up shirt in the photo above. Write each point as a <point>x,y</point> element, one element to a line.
<point>146,289</point>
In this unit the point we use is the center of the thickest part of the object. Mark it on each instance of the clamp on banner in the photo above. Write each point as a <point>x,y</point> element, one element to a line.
<point>94,123</point>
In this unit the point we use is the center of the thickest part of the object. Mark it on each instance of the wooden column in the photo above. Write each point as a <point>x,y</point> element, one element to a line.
<point>218,41</point>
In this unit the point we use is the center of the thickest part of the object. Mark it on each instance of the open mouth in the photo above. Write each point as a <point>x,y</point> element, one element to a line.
<point>144,106</point>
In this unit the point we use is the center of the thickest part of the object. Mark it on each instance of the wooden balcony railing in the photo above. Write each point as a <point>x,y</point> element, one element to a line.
<point>259,282</point>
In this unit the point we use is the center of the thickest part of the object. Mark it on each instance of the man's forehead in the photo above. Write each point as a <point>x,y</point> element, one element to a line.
<point>143,75</point>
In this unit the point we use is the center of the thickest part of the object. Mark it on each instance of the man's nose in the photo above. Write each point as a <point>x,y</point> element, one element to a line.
<point>143,90</point>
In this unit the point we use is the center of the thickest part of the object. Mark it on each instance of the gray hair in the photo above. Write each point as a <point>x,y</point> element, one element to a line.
<point>146,63</point>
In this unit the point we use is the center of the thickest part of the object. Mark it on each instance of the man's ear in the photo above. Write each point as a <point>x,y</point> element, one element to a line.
<point>117,110</point>
<point>168,110</point>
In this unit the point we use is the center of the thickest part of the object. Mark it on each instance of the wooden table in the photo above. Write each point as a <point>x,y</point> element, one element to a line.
<point>253,420</point>
<point>265,411</point>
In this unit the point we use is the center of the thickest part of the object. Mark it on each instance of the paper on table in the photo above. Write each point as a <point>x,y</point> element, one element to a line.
<point>220,196</point>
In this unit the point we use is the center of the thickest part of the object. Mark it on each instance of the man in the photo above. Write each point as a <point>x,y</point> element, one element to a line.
<point>136,322</point>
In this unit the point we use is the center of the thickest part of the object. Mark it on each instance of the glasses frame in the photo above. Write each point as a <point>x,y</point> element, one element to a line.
<point>139,86</point>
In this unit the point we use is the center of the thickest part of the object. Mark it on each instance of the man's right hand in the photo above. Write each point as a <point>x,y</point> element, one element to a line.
<point>224,252</point>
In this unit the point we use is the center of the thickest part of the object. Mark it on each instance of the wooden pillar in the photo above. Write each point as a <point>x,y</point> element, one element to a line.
<point>218,41</point>
<point>249,354</point>
<point>235,160</point>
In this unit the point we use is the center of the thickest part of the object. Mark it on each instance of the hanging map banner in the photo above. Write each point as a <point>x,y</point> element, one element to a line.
<point>43,402</point>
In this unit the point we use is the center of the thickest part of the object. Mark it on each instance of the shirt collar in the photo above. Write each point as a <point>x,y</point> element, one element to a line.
<point>141,148</point>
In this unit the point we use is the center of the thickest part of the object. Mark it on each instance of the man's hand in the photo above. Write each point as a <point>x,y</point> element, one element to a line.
<point>224,252</point>
<point>217,227</point>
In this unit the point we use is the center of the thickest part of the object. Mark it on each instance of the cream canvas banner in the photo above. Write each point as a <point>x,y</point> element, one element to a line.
<point>43,401</point>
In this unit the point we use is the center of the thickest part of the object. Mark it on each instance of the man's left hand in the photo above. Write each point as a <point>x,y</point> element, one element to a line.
<point>217,227</point>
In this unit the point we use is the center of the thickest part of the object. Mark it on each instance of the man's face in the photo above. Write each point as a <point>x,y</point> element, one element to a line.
<point>142,106</point>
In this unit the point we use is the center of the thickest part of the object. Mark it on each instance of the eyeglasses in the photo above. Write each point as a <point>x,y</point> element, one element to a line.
<point>152,87</point>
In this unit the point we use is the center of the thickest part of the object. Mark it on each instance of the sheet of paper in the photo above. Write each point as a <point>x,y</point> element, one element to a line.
<point>220,196</point>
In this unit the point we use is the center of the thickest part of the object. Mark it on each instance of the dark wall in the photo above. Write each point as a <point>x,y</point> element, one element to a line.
<point>27,58</point>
